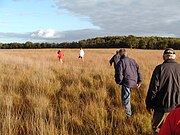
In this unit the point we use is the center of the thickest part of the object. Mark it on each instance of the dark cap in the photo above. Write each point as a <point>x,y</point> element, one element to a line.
<point>169,51</point>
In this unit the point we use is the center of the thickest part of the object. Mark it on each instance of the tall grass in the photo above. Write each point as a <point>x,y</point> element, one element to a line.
<point>40,96</point>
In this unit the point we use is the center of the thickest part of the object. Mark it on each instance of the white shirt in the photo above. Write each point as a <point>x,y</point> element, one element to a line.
<point>81,53</point>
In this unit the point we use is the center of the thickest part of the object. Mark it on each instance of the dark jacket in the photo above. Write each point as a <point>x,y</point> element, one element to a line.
<point>164,89</point>
<point>128,72</point>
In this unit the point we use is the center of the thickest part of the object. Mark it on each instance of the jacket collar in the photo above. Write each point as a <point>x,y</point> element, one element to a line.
<point>170,61</point>
<point>123,56</point>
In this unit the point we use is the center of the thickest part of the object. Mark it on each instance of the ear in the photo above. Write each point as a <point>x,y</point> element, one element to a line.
<point>174,56</point>
<point>164,57</point>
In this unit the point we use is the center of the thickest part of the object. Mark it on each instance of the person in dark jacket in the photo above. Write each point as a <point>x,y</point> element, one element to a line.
<point>115,58</point>
<point>129,76</point>
<point>164,89</point>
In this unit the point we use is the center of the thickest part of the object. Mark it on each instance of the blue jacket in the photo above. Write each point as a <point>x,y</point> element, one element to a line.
<point>128,72</point>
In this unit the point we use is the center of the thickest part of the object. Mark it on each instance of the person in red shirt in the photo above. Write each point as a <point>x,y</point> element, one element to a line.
<point>171,126</point>
<point>60,55</point>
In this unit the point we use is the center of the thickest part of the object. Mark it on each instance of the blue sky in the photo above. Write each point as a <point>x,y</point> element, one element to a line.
<point>74,20</point>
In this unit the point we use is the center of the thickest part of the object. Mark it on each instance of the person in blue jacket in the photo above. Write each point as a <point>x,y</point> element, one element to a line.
<point>129,76</point>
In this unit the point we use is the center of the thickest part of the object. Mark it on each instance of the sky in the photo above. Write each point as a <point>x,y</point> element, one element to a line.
<point>74,20</point>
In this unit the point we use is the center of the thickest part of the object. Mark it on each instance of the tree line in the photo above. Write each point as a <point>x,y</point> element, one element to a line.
<point>104,42</point>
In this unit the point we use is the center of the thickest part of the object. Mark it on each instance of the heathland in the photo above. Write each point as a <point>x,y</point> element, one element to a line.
<point>40,96</point>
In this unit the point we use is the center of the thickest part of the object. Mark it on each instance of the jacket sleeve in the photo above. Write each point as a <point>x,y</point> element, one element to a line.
<point>139,75</point>
<point>153,88</point>
<point>111,60</point>
<point>119,73</point>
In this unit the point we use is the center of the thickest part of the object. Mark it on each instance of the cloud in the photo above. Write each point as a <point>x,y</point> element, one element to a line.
<point>40,35</point>
<point>125,17</point>
<point>61,36</point>
<point>48,33</point>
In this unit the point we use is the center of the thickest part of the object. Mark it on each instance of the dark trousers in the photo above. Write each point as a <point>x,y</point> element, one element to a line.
<point>157,121</point>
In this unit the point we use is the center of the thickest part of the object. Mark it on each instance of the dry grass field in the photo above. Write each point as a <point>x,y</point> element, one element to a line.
<point>39,96</point>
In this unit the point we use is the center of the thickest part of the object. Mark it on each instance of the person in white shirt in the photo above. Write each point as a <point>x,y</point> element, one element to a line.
<point>81,54</point>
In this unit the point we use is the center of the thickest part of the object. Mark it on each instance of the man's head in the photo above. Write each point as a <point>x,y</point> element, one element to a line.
<point>169,54</point>
<point>123,52</point>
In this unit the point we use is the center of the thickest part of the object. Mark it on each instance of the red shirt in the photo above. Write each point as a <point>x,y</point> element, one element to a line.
<point>60,55</point>
<point>171,125</point>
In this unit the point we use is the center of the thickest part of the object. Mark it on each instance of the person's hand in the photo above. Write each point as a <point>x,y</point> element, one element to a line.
<point>138,86</point>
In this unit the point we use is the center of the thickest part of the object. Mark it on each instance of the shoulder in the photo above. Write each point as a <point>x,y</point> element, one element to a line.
<point>124,59</point>
<point>178,106</point>
<point>158,67</point>
<point>178,64</point>
<point>175,111</point>
<point>131,60</point>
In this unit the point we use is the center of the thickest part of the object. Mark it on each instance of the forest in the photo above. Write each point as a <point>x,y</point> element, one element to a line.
<point>129,41</point>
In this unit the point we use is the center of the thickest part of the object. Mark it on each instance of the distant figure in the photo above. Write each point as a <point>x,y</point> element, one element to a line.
<point>60,56</point>
<point>171,126</point>
<point>81,54</point>
<point>115,58</point>
<point>128,75</point>
<point>164,89</point>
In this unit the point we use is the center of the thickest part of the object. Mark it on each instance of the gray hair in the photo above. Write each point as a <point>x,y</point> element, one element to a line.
<point>123,52</point>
